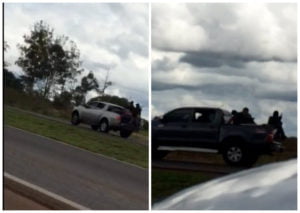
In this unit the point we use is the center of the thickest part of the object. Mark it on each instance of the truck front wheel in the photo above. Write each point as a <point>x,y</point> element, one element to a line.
<point>75,118</point>
<point>157,154</point>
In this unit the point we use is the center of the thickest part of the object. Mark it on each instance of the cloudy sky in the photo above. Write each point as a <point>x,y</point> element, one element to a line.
<point>228,56</point>
<point>111,36</point>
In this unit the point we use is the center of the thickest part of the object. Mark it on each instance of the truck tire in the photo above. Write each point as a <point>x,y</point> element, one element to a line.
<point>104,126</point>
<point>236,154</point>
<point>158,154</point>
<point>75,118</point>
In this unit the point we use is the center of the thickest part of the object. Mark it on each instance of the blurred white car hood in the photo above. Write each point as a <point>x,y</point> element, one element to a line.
<point>269,187</point>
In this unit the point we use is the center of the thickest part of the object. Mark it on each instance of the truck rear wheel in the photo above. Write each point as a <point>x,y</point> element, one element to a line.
<point>75,118</point>
<point>104,126</point>
<point>236,154</point>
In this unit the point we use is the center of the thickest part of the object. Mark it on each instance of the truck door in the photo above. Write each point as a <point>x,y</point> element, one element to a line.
<point>92,113</point>
<point>97,113</point>
<point>85,112</point>
<point>172,130</point>
<point>204,128</point>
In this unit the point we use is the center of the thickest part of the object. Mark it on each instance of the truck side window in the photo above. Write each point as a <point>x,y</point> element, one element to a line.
<point>115,109</point>
<point>204,116</point>
<point>100,105</point>
<point>92,105</point>
<point>180,115</point>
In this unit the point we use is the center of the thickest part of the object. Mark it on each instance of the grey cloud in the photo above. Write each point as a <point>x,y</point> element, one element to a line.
<point>127,43</point>
<point>290,96</point>
<point>214,59</point>
<point>229,90</point>
<point>116,8</point>
<point>233,91</point>
<point>160,86</point>
<point>164,64</point>
<point>242,36</point>
<point>94,66</point>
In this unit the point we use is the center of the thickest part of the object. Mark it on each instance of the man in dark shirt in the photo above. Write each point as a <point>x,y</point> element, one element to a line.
<point>275,122</point>
<point>243,117</point>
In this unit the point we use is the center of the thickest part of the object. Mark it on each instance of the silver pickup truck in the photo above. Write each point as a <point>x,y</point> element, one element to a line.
<point>104,116</point>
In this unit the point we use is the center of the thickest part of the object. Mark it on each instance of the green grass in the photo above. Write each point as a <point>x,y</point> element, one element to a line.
<point>168,182</point>
<point>112,146</point>
<point>142,133</point>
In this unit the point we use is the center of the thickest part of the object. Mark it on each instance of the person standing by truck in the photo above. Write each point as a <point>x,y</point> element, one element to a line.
<point>138,110</point>
<point>275,122</point>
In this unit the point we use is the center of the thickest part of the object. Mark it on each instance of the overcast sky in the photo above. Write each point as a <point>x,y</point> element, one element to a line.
<point>107,35</point>
<point>228,56</point>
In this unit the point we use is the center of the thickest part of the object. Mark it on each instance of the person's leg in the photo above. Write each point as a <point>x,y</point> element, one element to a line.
<point>281,133</point>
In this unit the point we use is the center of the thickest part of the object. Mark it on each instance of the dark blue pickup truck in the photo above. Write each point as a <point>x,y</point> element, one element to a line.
<point>205,129</point>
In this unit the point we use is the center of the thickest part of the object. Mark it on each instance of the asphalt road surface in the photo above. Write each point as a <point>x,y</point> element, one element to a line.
<point>15,201</point>
<point>88,179</point>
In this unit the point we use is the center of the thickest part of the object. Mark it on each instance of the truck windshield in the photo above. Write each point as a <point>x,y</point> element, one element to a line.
<point>115,109</point>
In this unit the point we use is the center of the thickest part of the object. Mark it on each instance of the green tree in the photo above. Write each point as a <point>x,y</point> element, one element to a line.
<point>88,83</point>
<point>63,100</point>
<point>46,61</point>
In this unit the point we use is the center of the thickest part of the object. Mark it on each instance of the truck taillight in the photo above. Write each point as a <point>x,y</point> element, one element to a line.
<point>270,136</point>
<point>118,117</point>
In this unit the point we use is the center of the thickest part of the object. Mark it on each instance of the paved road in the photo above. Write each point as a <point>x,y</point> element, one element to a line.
<point>15,201</point>
<point>91,180</point>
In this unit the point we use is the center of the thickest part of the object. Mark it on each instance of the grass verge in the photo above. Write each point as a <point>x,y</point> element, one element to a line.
<point>112,146</point>
<point>167,182</point>
<point>21,100</point>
